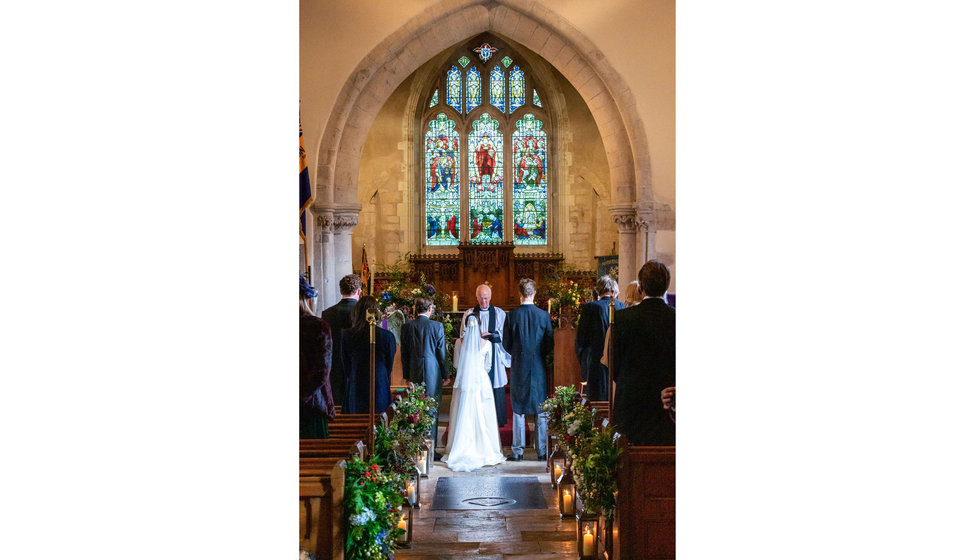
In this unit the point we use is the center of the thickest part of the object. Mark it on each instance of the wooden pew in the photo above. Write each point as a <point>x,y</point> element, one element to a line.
<point>330,447</point>
<point>321,506</point>
<point>645,506</point>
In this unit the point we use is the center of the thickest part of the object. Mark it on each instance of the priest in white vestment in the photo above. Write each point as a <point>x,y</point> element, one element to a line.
<point>492,329</point>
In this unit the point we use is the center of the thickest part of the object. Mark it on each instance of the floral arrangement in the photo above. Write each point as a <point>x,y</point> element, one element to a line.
<point>595,469</point>
<point>413,419</point>
<point>564,293</point>
<point>592,449</point>
<point>372,502</point>
<point>555,407</point>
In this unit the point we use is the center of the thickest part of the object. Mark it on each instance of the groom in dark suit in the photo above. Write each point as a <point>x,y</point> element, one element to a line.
<point>590,338</point>
<point>644,360</point>
<point>424,354</point>
<point>340,317</point>
<point>528,338</point>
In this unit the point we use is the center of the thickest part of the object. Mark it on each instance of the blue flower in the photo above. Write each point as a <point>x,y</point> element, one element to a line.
<point>386,296</point>
<point>363,517</point>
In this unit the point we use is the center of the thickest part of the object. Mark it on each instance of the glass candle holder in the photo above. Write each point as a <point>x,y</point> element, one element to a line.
<point>587,536</point>
<point>566,494</point>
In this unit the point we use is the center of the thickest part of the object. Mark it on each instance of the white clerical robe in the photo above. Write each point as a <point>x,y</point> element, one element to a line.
<point>501,355</point>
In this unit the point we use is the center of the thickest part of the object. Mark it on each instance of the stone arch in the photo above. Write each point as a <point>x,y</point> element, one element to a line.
<point>527,23</point>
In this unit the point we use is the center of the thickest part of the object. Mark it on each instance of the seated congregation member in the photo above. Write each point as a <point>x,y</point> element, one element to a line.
<point>340,316</point>
<point>632,296</point>
<point>356,360</point>
<point>315,351</point>
<point>644,361</point>
<point>590,338</point>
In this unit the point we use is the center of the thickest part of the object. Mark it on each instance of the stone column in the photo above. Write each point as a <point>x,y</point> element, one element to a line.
<point>344,221</point>
<point>624,215</point>
<point>324,268</point>
<point>646,246</point>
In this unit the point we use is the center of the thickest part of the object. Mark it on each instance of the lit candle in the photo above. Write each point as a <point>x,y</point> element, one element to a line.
<point>567,502</point>
<point>549,306</point>
<point>455,304</point>
<point>588,543</point>
<point>403,524</point>
<point>557,471</point>
<point>411,493</point>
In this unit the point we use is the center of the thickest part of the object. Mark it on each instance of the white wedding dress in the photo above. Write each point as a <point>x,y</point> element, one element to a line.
<point>473,437</point>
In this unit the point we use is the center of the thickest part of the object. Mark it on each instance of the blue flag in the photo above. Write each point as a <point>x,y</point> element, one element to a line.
<point>305,192</point>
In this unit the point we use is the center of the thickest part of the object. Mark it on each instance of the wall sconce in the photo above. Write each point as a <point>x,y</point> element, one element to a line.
<point>586,536</point>
<point>566,494</point>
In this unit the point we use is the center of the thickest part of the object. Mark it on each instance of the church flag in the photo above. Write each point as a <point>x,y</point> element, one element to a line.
<point>305,192</point>
<point>365,269</point>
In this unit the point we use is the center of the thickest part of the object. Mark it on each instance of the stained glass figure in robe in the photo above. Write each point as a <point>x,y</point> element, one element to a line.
<point>497,88</point>
<point>486,177</point>
<point>442,182</point>
<point>516,87</point>
<point>454,89</point>
<point>472,89</point>
<point>530,182</point>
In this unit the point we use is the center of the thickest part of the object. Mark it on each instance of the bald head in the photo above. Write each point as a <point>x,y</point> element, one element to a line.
<point>483,296</point>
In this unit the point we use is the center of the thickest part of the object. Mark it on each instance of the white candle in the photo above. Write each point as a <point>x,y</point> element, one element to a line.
<point>411,493</point>
<point>403,524</point>
<point>549,306</point>
<point>557,471</point>
<point>588,543</point>
<point>455,304</point>
<point>566,502</point>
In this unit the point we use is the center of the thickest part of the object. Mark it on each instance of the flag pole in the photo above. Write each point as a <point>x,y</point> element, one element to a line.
<point>609,359</point>
<point>371,319</point>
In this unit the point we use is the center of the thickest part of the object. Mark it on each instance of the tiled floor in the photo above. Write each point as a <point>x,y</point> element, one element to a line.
<point>516,534</point>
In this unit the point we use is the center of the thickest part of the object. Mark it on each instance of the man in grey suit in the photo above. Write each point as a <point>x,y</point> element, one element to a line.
<point>528,337</point>
<point>424,354</point>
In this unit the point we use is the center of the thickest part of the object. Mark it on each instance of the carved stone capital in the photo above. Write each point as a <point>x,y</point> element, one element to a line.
<point>344,223</point>
<point>624,216</point>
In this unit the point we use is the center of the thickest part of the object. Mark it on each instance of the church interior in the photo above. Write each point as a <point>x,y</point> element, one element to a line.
<point>467,142</point>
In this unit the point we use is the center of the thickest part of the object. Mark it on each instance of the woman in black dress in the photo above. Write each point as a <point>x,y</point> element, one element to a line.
<point>356,343</point>
<point>315,349</point>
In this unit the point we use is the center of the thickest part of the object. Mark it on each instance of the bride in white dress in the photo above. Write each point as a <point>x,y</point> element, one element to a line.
<point>473,437</point>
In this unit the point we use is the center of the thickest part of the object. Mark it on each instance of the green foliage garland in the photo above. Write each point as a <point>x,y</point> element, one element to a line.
<point>372,502</point>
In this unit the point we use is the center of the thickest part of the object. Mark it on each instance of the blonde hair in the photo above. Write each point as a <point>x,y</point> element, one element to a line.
<point>307,305</point>
<point>633,296</point>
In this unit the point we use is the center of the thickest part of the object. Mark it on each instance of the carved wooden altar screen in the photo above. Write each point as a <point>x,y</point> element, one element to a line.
<point>476,263</point>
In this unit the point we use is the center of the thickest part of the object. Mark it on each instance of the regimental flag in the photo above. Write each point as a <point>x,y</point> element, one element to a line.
<point>365,270</point>
<point>305,192</point>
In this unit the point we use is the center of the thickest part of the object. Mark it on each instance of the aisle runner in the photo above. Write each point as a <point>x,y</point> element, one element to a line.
<point>486,492</point>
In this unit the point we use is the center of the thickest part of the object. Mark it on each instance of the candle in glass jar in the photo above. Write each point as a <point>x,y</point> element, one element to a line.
<point>403,524</point>
<point>411,493</point>
<point>588,543</point>
<point>567,502</point>
<point>557,471</point>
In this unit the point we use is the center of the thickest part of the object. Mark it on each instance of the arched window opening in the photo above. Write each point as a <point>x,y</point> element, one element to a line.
<point>504,164</point>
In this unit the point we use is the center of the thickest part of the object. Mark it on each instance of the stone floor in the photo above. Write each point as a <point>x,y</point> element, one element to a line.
<point>515,534</point>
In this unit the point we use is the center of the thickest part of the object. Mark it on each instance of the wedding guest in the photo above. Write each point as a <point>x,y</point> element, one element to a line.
<point>356,360</point>
<point>633,296</point>
<point>424,354</point>
<point>528,338</point>
<point>340,317</point>
<point>590,338</point>
<point>315,351</point>
<point>644,361</point>
<point>669,398</point>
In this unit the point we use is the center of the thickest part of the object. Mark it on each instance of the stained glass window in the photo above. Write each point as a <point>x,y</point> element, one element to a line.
<point>497,88</point>
<point>485,51</point>
<point>506,60</point>
<point>463,61</point>
<point>454,89</point>
<point>472,89</point>
<point>435,98</point>
<point>486,178</point>
<point>530,182</point>
<point>516,88</point>
<point>537,100</point>
<point>442,182</point>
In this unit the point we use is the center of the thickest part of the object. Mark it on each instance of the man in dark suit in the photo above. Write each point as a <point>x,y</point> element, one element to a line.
<point>590,338</point>
<point>340,317</point>
<point>528,338</point>
<point>424,354</point>
<point>644,360</point>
